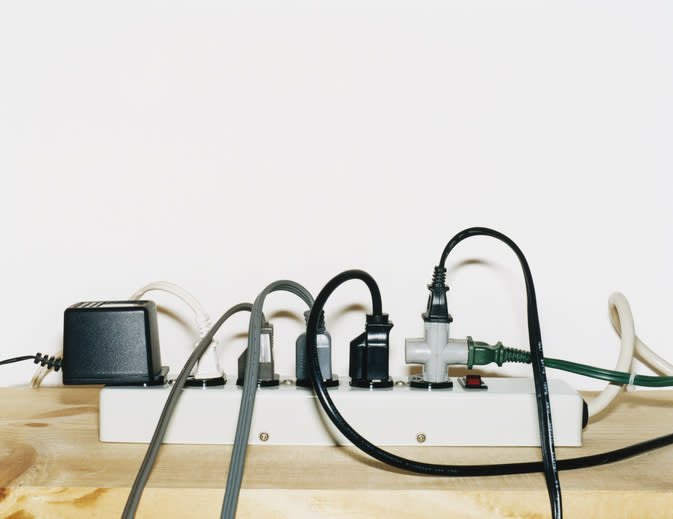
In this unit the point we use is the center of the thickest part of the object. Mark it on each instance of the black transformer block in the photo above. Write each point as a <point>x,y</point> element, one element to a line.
<point>112,342</point>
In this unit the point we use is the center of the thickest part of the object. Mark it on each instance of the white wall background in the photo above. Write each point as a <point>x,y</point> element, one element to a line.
<point>223,146</point>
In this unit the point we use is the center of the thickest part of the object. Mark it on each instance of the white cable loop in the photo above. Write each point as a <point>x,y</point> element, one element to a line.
<point>202,318</point>
<point>203,369</point>
<point>622,321</point>
<point>642,351</point>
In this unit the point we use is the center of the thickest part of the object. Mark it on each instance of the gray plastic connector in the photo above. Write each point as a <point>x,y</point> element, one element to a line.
<point>436,352</point>
<point>324,346</point>
<point>266,362</point>
<point>266,376</point>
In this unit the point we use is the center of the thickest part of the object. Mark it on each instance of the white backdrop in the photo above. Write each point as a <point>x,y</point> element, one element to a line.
<point>223,147</point>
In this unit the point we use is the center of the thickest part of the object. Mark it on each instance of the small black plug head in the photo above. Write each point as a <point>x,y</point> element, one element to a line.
<point>369,354</point>
<point>438,311</point>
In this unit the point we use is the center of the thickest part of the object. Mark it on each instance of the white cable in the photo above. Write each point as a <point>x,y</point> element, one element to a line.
<point>642,351</point>
<point>203,370</point>
<point>38,376</point>
<point>653,360</point>
<point>622,321</point>
<point>42,372</point>
<point>631,387</point>
<point>202,318</point>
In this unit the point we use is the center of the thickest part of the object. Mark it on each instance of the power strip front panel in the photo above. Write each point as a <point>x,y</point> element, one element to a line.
<point>503,414</point>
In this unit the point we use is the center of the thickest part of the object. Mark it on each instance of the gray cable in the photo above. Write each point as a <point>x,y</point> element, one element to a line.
<point>235,475</point>
<point>169,407</point>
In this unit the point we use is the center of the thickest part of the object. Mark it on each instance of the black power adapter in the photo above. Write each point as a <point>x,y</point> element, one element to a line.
<point>112,342</point>
<point>368,364</point>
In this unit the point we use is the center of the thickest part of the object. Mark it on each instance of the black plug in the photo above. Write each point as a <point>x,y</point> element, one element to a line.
<point>438,310</point>
<point>369,354</point>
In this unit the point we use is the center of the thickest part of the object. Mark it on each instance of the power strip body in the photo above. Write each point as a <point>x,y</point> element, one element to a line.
<point>505,414</point>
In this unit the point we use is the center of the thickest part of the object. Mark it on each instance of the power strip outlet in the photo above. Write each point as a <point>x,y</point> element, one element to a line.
<point>503,414</point>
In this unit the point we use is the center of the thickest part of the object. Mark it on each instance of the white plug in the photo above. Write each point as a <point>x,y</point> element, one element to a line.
<point>436,352</point>
<point>208,366</point>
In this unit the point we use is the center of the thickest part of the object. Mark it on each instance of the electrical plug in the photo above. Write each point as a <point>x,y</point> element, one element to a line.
<point>482,353</point>
<point>436,351</point>
<point>207,371</point>
<point>369,352</point>
<point>438,310</point>
<point>266,377</point>
<point>324,347</point>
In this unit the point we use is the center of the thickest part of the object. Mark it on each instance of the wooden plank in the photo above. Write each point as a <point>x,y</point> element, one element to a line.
<point>52,465</point>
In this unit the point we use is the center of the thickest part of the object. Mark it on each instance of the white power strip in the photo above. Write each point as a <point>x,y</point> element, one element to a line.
<point>505,414</point>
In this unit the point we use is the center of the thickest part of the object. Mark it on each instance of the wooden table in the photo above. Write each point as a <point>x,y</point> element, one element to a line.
<point>53,466</point>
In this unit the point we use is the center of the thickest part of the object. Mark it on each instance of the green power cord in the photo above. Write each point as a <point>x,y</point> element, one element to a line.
<point>481,353</point>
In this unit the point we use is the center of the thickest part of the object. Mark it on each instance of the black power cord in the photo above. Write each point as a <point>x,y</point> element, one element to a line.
<point>537,360</point>
<point>431,468</point>
<point>54,363</point>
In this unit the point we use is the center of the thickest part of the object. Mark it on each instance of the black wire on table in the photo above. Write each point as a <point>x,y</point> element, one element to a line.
<point>38,358</point>
<point>17,359</point>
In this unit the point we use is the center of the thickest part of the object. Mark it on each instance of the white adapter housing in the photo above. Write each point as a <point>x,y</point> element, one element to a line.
<point>436,352</point>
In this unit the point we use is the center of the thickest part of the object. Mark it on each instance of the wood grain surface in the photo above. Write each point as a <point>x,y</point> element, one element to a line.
<point>53,466</point>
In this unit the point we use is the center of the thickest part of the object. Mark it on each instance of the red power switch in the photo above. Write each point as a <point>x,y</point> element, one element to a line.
<point>473,382</point>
